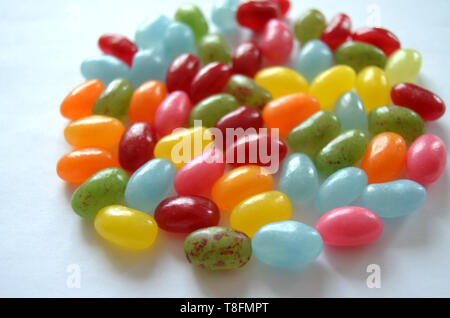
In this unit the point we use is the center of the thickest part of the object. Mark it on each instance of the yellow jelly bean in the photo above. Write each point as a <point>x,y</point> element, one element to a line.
<point>372,85</point>
<point>403,66</point>
<point>126,227</point>
<point>253,213</point>
<point>281,81</point>
<point>328,86</point>
<point>183,145</point>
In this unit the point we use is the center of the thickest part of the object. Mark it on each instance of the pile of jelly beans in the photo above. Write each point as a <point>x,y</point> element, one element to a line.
<point>347,113</point>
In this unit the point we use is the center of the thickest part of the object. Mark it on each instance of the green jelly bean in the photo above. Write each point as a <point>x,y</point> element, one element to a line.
<point>248,92</point>
<point>400,120</point>
<point>213,48</point>
<point>104,188</point>
<point>218,248</point>
<point>114,100</point>
<point>191,15</point>
<point>358,55</point>
<point>309,26</point>
<point>211,109</point>
<point>344,151</point>
<point>314,133</point>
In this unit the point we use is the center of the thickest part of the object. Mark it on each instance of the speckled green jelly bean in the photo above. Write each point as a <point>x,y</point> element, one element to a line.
<point>309,26</point>
<point>114,100</point>
<point>213,48</point>
<point>218,248</point>
<point>314,133</point>
<point>105,188</point>
<point>211,109</point>
<point>358,55</point>
<point>247,92</point>
<point>400,120</point>
<point>342,152</point>
<point>191,15</point>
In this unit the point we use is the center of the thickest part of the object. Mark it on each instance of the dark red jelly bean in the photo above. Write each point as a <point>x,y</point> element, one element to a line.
<point>254,14</point>
<point>247,59</point>
<point>136,146</point>
<point>383,39</point>
<point>118,46</point>
<point>277,42</point>
<point>181,72</point>
<point>210,80</point>
<point>284,5</point>
<point>338,31</point>
<point>427,104</point>
<point>185,214</point>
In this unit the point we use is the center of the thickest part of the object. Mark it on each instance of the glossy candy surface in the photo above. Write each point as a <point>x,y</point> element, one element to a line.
<point>210,80</point>
<point>284,5</point>
<point>280,81</point>
<point>372,85</point>
<point>351,112</point>
<point>119,46</point>
<point>106,68</point>
<point>150,33</point>
<point>80,100</point>
<point>383,39</point>
<point>172,113</point>
<point>214,48</point>
<point>223,14</point>
<point>115,99</point>
<point>181,72</point>
<point>254,14</point>
<point>192,16</point>
<point>247,92</point>
<point>277,41</point>
<point>314,58</point>
<point>337,31</point>
<point>178,39</point>
<point>403,66</point>
<point>152,64</point>
<point>210,110</point>
<point>309,26</point>
<point>146,100</point>
<point>359,55</point>
<point>247,59</point>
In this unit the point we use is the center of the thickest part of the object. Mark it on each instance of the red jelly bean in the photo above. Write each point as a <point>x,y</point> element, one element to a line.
<point>136,146</point>
<point>247,59</point>
<point>181,72</point>
<point>284,5</point>
<point>383,39</point>
<point>254,14</point>
<point>338,31</point>
<point>118,46</point>
<point>185,214</point>
<point>172,113</point>
<point>427,104</point>
<point>277,42</point>
<point>210,80</point>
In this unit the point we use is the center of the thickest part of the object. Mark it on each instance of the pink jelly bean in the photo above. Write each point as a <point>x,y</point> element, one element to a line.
<point>277,42</point>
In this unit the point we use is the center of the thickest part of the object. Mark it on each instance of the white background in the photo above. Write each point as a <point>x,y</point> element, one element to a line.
<point>42,45</point>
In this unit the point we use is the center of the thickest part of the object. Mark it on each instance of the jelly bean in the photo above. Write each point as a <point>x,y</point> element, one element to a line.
<point>400,120</point>
<point>126,227</point>
<point>104,188</point>
<point>247,59</point>
<point>342,152</point>
<point>254,14</point>
<point>287,244</point>
<point>247,92</point>
<point>280,81</point>
<point>213,48</point>
<point>149,65</point>
<point>136,146</point>
<point>151,32</point>
<point>328,86</point>
<point>94,131</point>
<point>314,58</point>
<point>403,66</point>
<point>349,226</point>
<point>299,179</point>
<point>288,111</point>
<point>80,101</point>
<point>277,41</point>
<point>172,113</point>
<point>185,214</point>
<point>145,101</point>
<point>385,158</point>
<point>284,5</point>
<point>261,209</point>
<point>211,109</point>
<point>218,248</point>
<point>193,16</point>
<point>198,175</point>
<point>197,138</point>
<point>342,188</point>
<point>106,68</point>
<point>314,133</point>
<point>210,80</point>
<point>427,159</point>
<point>181,72</point>
<point>309,26</point>
<point>372,85</point>
<point>351,112</point>
<point>359,55</point>
<point>240,184</point>
<point>115,99</point>
<point>394,199</point>
<point>383,39</point>
<point>223,14</point>
<point>118,46</point>
<point>149,185</point>
<point>337,31</point>
<point>179,39</point>
<point>427,104</point>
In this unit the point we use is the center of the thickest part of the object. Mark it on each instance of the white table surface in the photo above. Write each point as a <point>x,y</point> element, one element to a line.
<point>42,45</point>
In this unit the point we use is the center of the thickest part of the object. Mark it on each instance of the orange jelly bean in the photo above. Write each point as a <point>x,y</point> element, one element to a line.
<point>288,111</point>
<point>79,102</point>
<point>385,158</point>
<point>79,165</point>
<point>94,131</point>
<point>146,100</point>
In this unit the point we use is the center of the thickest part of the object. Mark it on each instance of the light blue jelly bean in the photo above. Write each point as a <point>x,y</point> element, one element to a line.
<point>394,199</point>
<point>350,111</point>
<point>314,58</point>
<point>299,179</point>
<point>148,65</point>
<point>287,244</point>
<point>341,189</point>
<point>150,184</point>
<point>223,14</point>
<point>104,67</point>
<point>151,32</point>
<point>179,39</point>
